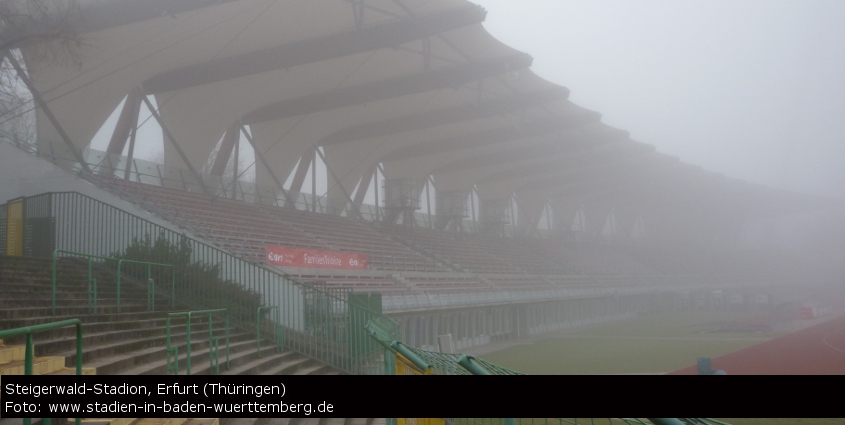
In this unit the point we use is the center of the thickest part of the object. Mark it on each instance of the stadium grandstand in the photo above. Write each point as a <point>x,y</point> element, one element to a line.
<point>464,196</point>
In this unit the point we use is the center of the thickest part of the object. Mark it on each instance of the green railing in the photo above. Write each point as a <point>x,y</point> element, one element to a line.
<point>29,350</point>
<point>316,322</point>
<point>213,342</point>
<point>432,361</point>
<point>151,289</point>
<point>92,281</point>
<point>278,334</point>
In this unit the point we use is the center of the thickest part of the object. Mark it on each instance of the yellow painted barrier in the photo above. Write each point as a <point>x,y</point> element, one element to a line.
<point>14,228</point>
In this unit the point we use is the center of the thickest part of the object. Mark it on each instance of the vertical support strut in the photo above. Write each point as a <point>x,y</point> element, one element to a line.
<point>314,180</point>
<point>235,168</point>
<point>229,139</point>
<point>260,156</point>
<point>126,123</point>
<point>175,145</point>
<point>337,181</point>
<point>131,154</point>
<point>375,182</point>
<point>43,105</point>
<point>366,180</point>
<point>301,171</point>
<point>429,184</point>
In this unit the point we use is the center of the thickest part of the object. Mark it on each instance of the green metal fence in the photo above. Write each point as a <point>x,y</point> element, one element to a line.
<point>428,362</point>
<point>276,329</point>
<point>93,296</point>
<point>213,342</point>
<point>315,321</point>
<point>148,278</point>
<point>29,350</point>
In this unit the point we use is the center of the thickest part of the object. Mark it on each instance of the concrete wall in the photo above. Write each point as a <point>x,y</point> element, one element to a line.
<point>24,174</point>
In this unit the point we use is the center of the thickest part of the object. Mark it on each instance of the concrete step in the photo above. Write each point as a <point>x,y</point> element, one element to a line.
<point>103,421</point>
<point>46,287</point>
<point>161,421</point>
<point>8,303</point>
<point>101,322</point>
<point>290,366</point>
<point>239,353</point>
<point>72,371</point>
<point>239,421</point>
<point>40,366</point>
<point>24,312</point>
<point>305,421</point>
<point>274,421</point>
<point>155,356</point>
<point>316,368</point>
<point>107,348</point>
<point>260,364</point>
<point>89,338</point>
<point>11,353</point>
<point>203,421</point>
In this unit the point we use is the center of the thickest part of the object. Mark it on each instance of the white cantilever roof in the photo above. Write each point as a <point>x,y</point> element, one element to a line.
<point>419,86</point>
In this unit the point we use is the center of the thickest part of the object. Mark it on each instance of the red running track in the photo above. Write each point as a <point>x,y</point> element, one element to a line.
<point>817,350</point>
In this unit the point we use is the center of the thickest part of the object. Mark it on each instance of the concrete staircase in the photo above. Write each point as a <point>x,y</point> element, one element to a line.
<point>131,342</point>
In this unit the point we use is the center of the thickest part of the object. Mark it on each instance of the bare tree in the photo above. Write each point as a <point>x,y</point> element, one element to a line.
<point>47,26</point>
<point>17,117</point>
<point>45,29</point>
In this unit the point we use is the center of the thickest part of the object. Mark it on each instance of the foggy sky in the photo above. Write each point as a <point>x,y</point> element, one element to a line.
<point>751,89</point>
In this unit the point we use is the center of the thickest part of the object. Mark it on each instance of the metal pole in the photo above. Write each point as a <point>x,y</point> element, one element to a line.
<point>179,151</point>
<point>43,105</point>
<point>258,154</point>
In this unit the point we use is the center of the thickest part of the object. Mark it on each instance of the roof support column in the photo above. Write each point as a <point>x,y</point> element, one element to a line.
<point>260,157</point>
<point>229,139</point>
<point>176,146</point>
<point>353,213</point>
<point>314,181</point>
<point>131,154</point>
<point>366,181</point>
<point>379,170</point>
<point>126,122</point>
<point>43,105</point>
<point>301,171</point>
<point>235,176</point>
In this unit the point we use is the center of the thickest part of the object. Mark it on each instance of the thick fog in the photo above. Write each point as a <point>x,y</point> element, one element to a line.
<point>751,89</point>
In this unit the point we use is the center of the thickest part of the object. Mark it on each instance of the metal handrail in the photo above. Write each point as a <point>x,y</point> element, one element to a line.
<point>92,282</point>
<point>280,342</point>
<point>92,302</point>
<point>212,341</point>
<point>150,290</point>
<point>28,353</point>
<point>316,322</point>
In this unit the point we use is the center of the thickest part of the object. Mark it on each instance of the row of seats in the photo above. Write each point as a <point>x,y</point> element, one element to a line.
<point>243,228</point>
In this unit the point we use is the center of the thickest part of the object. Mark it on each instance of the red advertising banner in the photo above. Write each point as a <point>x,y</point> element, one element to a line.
<point>297,257</point>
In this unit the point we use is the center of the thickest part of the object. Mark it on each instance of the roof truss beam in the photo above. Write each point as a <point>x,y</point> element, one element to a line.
<point>492,136</point>
<point>317,49</point>
<point>445,116</point>
<point>102,16</point>
<point>553,165</point>
<point>388,89</point>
